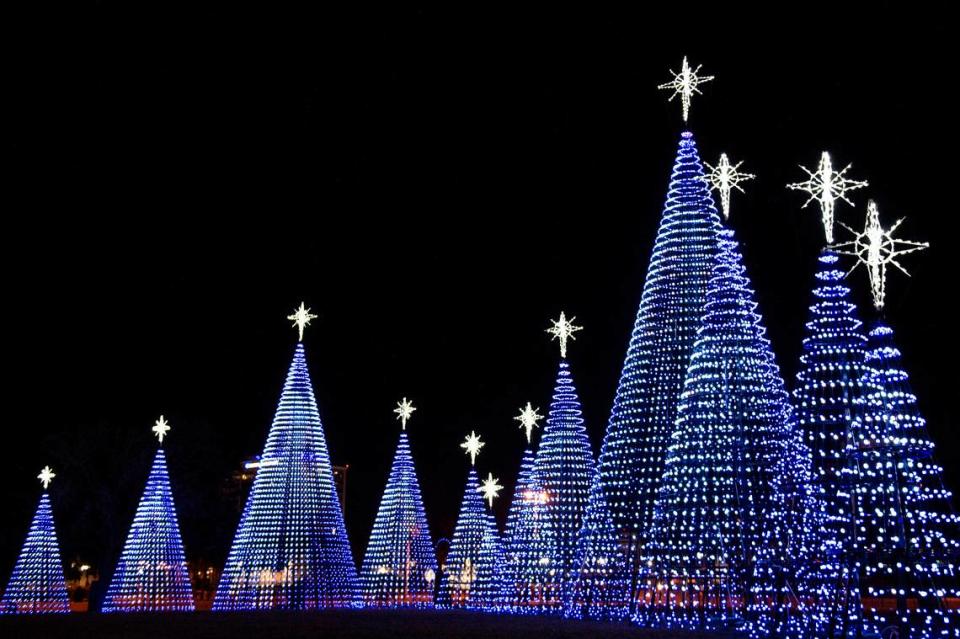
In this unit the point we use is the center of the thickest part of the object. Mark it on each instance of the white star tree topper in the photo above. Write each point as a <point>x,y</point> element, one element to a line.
<point>685,84</point>
<point>876,247</point>
<point>301,318</point>
<point>46,476</point>
<point>724,177</point>
<point>528,419</point>
<point>826,186</point>
<point>490,488</point>
<point>563,330</point>
<point>160,429</point>
<point>472,446</point>
<point>404,410</point>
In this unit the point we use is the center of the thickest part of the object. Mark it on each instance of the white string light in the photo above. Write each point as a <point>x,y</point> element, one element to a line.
<point>301,318</point>
<point>161,428</point>
<point>826,186</point>
<point>46,476</point>
<point>563,330</point>
<point>528,419</point>
<point>724,177</point>
<point>404,410</point>
<point>490,488</point>
<point>876,247</point>
<point>472,446</point>
<point>685,84</point>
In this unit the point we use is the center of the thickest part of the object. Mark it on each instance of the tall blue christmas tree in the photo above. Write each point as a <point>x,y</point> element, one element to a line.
<point>37,584</point>
<point>907,541</point>
<point>291,549</point>
<point>631,460</point>
<point>152,573</point>
<point>472,576</point>
<point>563,469</point>
<point>734,428</point>
<point>527,582</point>
<point>399,567</point>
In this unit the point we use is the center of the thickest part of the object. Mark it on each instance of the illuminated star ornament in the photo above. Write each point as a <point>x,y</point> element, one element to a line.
<point>490,488</point>
<point>404,410</point>
<point>826,186</point>
<point>46,476</point>
<point>563,330</point>
<point>301,318</point>
<point>472,446</point>
<point>685,84</point>
<point>528,419</point>
<point>876,247</point>
<point>161,428</point>
<point>723,178</point>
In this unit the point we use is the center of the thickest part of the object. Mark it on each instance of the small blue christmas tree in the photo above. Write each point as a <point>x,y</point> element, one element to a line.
<point>472,577</point>
<point>526,579</point>
<point>631,461</point>
<point>152,573</point>
<point>563,470</point>
<point>733,430</point>
<point>399,567</point>
<point>291,549</point>
<point>37,584</point>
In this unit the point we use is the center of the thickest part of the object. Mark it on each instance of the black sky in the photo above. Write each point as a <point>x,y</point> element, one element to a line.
<point>436,185</point>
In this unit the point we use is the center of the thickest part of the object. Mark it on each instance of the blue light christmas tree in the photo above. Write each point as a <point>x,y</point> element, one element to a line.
<point>631,460</point>
<point>152,573</point>
<point>399,567</point>
<point>527,583</point>
<point>907,540</point>
<point>472,576</point>
<point>563,470</point>
<point>37,584</point>
<point>734,428</point>
<point>291,549</point>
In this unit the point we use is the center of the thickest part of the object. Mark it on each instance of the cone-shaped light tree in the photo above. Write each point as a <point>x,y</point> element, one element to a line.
<point>526,578</point>
<point>37,584</point>
<point>563,469</point>
<point>152,573</point>
<point>291,549</point>
<point>630,464</point>
<point>733,429</point>
<point>399,567</point>
<point>907,540</point>
<point>472,577</point>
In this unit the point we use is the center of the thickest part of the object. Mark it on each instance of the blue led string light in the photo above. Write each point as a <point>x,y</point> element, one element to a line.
<point>152,573</point>
<point>399,568</point>
<point>630,465</point>
<point>37,584</point>
<point>291,549</point>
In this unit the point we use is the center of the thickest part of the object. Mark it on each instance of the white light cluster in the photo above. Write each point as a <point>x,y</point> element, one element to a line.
<point>490,488</point>
<point>826,186</point>
<point>685,84</point>
<point>404,410</point>
<point>301,319</point>
<point>472,445</point>
<point>724,177</point>
<point>563,330</point>
<point>528,419</point>
<point>875,248</point>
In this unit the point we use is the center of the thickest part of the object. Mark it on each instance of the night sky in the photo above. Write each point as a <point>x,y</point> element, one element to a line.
<point>435,186</point>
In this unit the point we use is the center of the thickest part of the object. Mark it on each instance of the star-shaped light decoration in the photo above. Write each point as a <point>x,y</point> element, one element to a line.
<point>723,178</point>
<point>826,186</point>
<point>160,428</point>
<point>528,419</point>
<point>404,410</point>
<point>301,318</point>
<point>490,488</point>
<point>46,476</point>
<point>685,84</point>
<point>472,446</point>
<point>563,330</point>
<point>876,247</point>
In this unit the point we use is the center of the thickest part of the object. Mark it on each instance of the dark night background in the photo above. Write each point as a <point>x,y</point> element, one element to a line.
<point>436,186</point>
